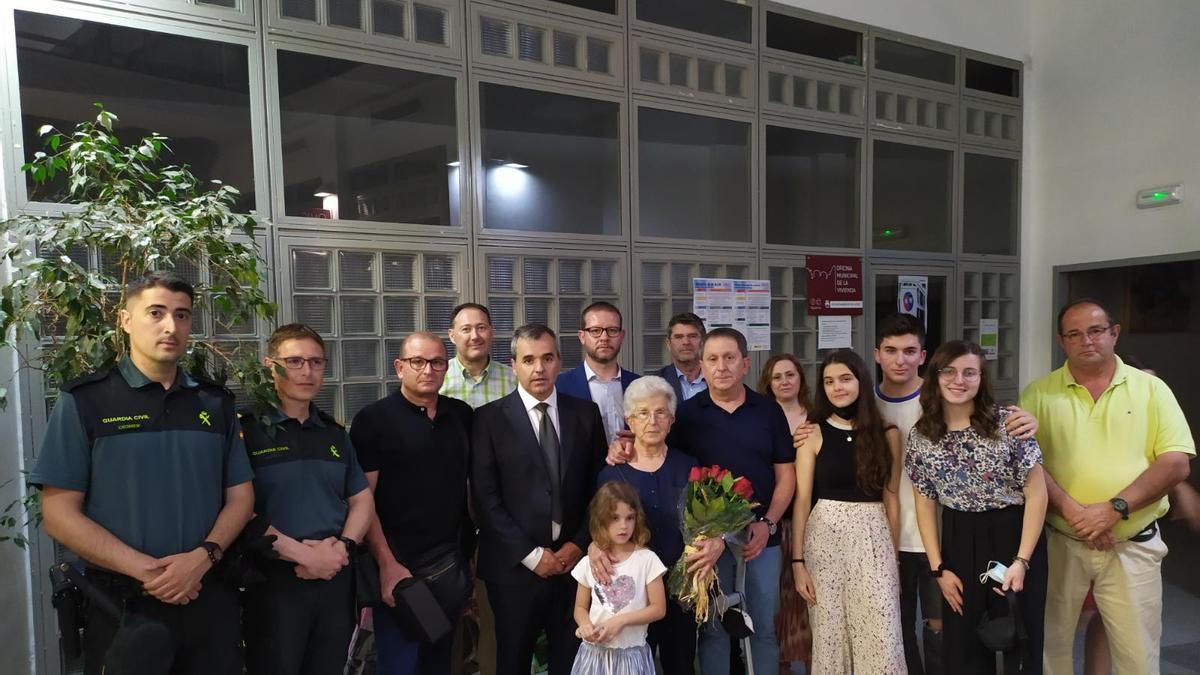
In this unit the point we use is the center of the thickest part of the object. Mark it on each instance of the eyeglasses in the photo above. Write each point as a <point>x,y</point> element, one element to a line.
<point>297,362</point>
<point>1092,333</point>
<point>950,374</point>
<point>644,415</point>
<point>597,331</point>
<point>418,363</point>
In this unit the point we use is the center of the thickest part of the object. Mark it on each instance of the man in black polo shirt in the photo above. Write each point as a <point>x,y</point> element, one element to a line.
<point>145,477</point>
<point>737,428</point>
<point>309,487</point>
<point>413,446</point>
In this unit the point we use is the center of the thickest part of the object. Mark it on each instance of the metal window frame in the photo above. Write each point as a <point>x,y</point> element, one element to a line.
<point>287,241</point>
<point>971,139</point>
<point>748,119</point>
<point>769,108</point>
<point>877,86</point>
<point>702,40</point>
<point>273,46</point>
<point>971,54</point>
<point>168,26</point>
<point>771,249</point>
<point>278,25</point>
<point>550,7</point>
<point>960,188</point>
<point>671,256</point>
<point>246,13</point>
<point>1013,327</point>
<point>492,234</point>
<point>804,60</point>
<point>689,94</point>
<point>621,275</point>
<point>933,257</point>
<point>874,72</point>
<point>483,63</point>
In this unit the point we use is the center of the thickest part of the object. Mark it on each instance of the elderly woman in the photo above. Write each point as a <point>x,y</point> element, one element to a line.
<point>659,476</point>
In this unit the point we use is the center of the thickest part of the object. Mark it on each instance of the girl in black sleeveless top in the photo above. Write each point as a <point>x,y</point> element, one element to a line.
<point>844,548</point>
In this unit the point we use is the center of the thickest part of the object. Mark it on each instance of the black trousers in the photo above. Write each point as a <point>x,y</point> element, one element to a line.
<point>523,611</point>
<point>202,637</point>
<point>918,587</point>
<point>969,542</point>
<point>297,626</point>
<point>674,638</point>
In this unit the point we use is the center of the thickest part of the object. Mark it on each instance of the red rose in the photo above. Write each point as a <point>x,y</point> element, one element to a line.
<point>716,470</point>
<point>743,488</point>
<point>696,474</point>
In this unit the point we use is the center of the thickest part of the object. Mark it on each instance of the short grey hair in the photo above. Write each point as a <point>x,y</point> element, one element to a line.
<point>532,331</point>
<point>648,386</point>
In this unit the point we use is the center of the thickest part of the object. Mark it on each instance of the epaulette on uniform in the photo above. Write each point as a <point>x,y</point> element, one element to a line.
<point>94,376</point>
<point>206,380</point>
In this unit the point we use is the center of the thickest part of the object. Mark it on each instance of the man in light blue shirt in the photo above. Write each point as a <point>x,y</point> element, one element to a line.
<point>601,379</point>
<point>685,331</point>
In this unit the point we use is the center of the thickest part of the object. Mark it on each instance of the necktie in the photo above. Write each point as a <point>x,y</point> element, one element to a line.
<point>548,439</point>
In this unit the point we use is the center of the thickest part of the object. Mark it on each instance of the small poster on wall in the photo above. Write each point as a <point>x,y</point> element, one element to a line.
<point>741,304</point>
<point>913,298</point>
<point>989,338</point>
<point>833,332</point>
<point>835,285</point>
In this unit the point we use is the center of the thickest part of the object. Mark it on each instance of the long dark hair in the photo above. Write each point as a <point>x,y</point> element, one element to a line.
<point>871,452</point>
<point>764,379</point>
<point>984,418</point>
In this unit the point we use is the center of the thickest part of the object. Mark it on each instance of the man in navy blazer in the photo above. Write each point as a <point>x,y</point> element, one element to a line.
<point>535,456</point>
<point>685,332</point>
<point>601,379</point>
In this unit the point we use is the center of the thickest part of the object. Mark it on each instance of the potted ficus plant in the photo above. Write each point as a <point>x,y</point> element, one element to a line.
<point>125,212</point>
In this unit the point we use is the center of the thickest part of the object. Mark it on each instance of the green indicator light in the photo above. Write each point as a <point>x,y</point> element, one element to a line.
<point>887,233</point>
<point>1160,195</point>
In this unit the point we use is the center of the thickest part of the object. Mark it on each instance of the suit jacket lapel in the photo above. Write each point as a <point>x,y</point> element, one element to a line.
<point>519,418</point>
<point>566,433</point>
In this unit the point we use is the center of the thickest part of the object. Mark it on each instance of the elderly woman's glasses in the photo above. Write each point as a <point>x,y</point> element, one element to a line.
<point>645,415</point>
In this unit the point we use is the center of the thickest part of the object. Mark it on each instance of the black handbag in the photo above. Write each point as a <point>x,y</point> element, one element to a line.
<point>1002,632</point>
<point>442,572</point>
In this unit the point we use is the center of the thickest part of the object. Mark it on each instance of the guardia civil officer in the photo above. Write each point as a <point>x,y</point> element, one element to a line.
<point>145,477</point>
<point>309,487</point>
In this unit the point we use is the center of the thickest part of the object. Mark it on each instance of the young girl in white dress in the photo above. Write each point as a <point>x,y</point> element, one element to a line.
<point>612,617</point>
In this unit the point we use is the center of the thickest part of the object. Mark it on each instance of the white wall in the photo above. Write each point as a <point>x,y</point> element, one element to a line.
<point>1111,108</point>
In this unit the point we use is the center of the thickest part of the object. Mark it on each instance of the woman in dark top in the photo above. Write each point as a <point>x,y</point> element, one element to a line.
<point>993,495</point>
<point>844,546</point>
<point>659,476</point>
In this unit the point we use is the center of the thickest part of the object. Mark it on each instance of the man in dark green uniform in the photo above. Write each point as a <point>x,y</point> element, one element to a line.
<point>309,487</point>
<point>145,477</point>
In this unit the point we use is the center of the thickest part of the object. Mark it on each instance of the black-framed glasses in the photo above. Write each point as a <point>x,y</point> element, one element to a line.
<point>1092,333</point>
<point>297,362</point>
<point>597,331</point>
<point>968,374</point>
<point>418,363</point>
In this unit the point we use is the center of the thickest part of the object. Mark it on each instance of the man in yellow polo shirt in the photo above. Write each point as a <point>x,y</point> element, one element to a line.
<point>1114,442</point>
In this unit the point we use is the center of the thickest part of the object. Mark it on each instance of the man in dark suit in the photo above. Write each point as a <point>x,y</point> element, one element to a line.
<point>534,460</point>
<point>685,331</point>
<point>600,379</point>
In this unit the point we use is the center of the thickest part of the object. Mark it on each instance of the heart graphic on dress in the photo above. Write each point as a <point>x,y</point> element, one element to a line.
<point>617,594</point>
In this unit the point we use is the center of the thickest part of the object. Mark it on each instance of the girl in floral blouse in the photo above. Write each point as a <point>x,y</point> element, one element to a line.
<point>994,497</point>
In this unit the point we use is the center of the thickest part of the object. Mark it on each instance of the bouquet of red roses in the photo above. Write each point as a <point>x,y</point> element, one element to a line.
<point>714,504</point>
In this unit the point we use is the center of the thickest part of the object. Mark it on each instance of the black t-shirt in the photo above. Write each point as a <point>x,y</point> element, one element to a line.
<point>421,495</point>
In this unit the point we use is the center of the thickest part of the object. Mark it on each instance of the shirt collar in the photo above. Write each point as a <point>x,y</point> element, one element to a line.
<point>416,409</point>
<point>136,379</point>
<point>705,397</point>
<point>884,397</point>
<point>590,375</point>
<point>462,368</point>
<point>276,415</point>
<point>530,402</point>
<point>683,376</point>
<point>1119,375</point>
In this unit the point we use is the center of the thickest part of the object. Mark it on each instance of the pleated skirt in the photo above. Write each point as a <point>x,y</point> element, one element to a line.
<point>600,660</point>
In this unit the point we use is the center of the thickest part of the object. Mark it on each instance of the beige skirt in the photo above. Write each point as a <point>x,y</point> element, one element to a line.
<point>856,619</point>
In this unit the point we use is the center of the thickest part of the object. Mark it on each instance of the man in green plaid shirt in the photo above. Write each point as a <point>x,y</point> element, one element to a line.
<point>473,376</point>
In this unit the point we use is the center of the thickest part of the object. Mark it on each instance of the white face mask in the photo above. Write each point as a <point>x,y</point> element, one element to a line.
<point>995,572</point>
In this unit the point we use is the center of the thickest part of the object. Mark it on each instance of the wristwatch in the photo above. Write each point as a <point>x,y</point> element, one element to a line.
<point>350,545</point>
<point>1120,506</point>
<point>213,549</point>
<point>937,573</point>
<point>772,526</point>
